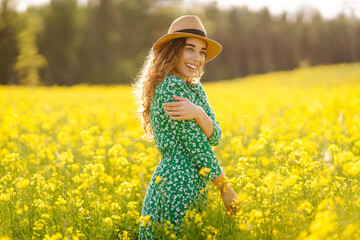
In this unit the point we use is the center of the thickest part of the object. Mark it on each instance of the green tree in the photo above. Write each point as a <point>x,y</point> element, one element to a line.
<point>101,39</point>
<point>29,61</point>
<point>58,42</point>
<point>107,40</point>
<point>8,48</point>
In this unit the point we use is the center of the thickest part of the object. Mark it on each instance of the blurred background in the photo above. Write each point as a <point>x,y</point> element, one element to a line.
<point>67,42</point>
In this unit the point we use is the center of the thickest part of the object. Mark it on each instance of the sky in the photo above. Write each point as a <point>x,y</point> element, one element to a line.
<point>327,8</point>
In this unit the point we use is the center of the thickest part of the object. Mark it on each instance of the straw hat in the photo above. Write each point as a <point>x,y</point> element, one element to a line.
<point>190,26</point>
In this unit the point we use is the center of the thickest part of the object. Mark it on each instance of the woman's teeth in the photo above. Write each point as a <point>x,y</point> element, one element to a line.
<point>191,66</point>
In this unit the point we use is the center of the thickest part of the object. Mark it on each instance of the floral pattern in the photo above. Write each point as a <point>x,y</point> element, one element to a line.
<point>179,182</point>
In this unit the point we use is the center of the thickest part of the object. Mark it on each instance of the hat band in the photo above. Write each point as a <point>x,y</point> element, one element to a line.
<point>193,31</point>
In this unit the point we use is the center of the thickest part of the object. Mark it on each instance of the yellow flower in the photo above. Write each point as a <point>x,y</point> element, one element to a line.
<point>19,211</point>
<point>305,205</point>
<point>204,171</point>
<point>242,226</point>
<point>23,183</point>
<point>5,238</point>
<point>56,236</point>
<point>60,201</point>
<point>280,147</point>
<point>5,197</point>
<point>69,230</point>
<point>124,235</point>
<point>323,224</point>
<point>351,229</point>
<point>258,214</point>
<point>145,220</point>
<point>158,178</point>
<point>108,221</point>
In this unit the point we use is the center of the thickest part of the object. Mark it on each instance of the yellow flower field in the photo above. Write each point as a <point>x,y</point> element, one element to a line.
<point>74,165</point>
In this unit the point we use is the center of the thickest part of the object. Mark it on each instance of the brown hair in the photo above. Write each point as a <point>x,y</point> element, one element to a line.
<point>159,63</point>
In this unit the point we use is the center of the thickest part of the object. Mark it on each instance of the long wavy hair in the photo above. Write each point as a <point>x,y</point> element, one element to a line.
<point>159,63</point>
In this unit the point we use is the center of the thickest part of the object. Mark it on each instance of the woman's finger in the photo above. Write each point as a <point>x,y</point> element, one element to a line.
<point>176,117</point>
<point>179,98</point>
<point>180,108</point>
<point>179,116</point>
<point>174,112</point>
<point>172,104</point>
<point>171,107</point>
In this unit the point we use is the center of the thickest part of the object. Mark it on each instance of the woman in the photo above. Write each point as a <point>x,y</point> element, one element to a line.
<point>176,112</point>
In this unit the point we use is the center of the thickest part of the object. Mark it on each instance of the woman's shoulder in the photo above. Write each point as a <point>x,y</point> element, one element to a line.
<point>170,82</point>
<point>198,87</point>
<point>173,80</point>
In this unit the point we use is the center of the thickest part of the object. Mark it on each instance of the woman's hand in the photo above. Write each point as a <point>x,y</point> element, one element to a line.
<point>231,201</point>
<point>183,109</point>
<point>229,197</point>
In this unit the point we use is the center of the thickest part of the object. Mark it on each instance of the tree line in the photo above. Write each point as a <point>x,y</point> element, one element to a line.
<point>106,41</point>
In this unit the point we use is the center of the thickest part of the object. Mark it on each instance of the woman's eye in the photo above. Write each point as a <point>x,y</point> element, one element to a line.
<point>203,53</point>
<point>190,49</point>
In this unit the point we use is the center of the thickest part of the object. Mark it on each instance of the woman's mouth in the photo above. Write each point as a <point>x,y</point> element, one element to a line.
<point>191,66</point>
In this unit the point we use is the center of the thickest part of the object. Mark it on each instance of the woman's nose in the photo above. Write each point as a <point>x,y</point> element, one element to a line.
<point>197,56</point>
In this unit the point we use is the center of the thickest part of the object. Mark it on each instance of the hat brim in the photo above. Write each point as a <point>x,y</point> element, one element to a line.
<point>212,50</point>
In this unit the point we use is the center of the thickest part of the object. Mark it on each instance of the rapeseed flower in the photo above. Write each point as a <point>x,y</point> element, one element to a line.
<point>204,171</point>
<point>293,160</point>
<point>158,179</point>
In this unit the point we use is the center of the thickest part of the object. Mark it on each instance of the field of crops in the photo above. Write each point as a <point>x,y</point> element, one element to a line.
<point>73,164</point>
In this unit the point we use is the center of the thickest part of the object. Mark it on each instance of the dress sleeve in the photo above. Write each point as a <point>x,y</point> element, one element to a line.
<point>216,135</point>
<point>189,133</point>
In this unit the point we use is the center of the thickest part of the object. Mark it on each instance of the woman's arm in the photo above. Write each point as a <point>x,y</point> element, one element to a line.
<point>229,197</point>
<point>215,138</point>
<point>204,122</point>
<point>184,109</point>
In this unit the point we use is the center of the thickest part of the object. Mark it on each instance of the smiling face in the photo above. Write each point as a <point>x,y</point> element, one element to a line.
<point>192,58</point>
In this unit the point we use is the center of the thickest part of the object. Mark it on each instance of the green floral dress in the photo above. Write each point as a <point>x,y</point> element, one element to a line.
<point>187,164</point>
